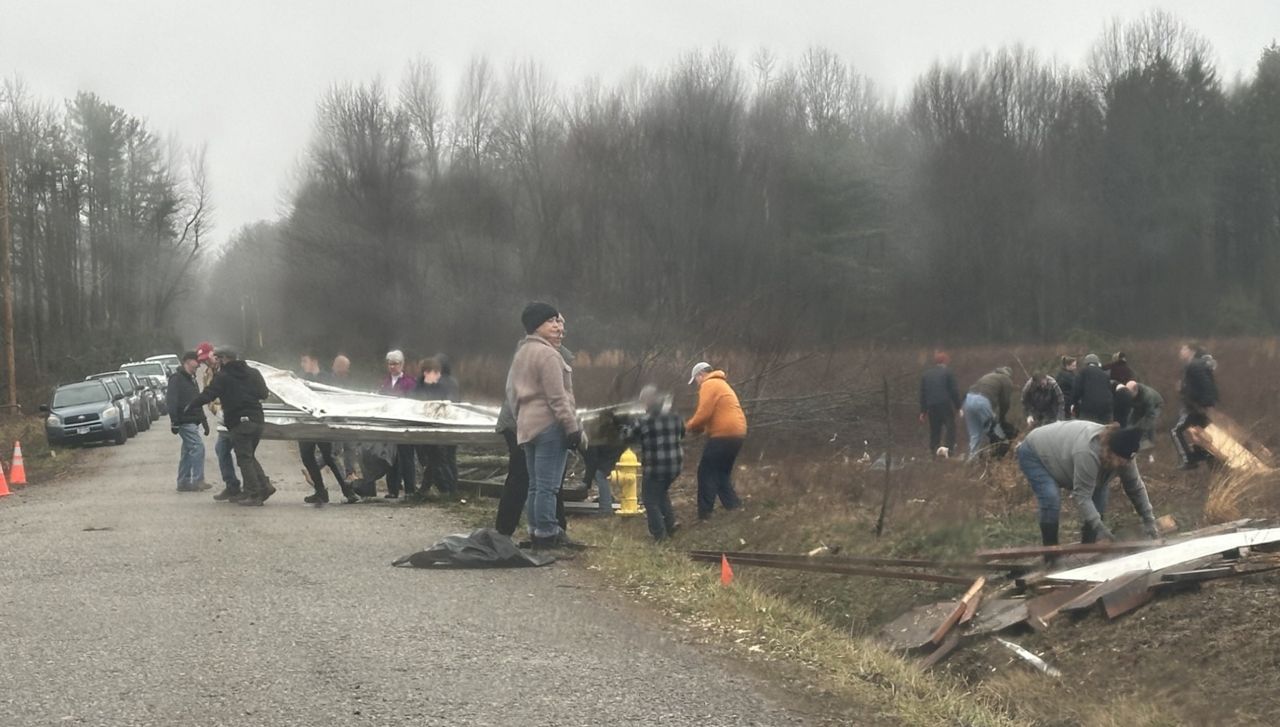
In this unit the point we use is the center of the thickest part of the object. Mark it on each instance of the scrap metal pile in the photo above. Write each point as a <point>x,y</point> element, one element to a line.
<point>306,410</point>
<point>1012,588</point>
<point>1110,579</point>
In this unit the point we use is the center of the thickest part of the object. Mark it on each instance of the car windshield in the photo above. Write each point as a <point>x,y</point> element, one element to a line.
<point>145,369</point>
<point>88,392</point>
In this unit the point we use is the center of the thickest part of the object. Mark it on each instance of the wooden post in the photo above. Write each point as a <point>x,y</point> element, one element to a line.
<point>6,284</point>
<point>888,459</point>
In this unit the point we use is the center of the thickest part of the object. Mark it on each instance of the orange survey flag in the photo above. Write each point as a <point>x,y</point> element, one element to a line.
<point>726,570</point>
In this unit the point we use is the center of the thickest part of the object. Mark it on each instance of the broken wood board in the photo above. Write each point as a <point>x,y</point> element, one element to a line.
<point>1132,594</point>
<point>1228,450</point>
<point>1089,598</point>
<point>915,628</point>
<point>963,607</point>
<point>1168,556</point>
<point>1042,609</point>
<point>944,649</point>
<point>972,598</point>
<point>998,615</point>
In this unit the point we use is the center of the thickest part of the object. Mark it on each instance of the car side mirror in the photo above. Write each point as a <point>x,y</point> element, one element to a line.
<point>44,408</point>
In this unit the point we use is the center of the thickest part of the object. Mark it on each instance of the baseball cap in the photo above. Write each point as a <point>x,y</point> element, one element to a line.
<point>700,368</point>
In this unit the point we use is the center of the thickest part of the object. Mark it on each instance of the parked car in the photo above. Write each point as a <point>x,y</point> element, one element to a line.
<point>170,361</point>
<point>131,405</point>
<point>150,375</point>
<point>151,402</point>
<point>84,412</point>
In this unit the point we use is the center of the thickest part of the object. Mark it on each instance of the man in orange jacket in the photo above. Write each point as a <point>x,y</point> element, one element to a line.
<point>720,415</point>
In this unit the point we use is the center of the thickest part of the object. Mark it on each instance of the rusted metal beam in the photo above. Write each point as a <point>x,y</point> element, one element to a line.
<point>838,569</point>
<point>1031,551</point>
<point>869,560</point>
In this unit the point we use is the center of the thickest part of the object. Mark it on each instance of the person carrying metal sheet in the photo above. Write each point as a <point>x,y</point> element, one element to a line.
<point>1083,457</point>
<point>310,366</point>
<point>242,391</point>
<point>398,383</point>
<point>431,386</point>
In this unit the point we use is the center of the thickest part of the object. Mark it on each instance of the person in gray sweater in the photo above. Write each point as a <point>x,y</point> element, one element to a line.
<point>1083,457</point>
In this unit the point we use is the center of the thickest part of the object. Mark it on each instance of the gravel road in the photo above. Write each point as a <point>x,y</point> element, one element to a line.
<point>124,602</point>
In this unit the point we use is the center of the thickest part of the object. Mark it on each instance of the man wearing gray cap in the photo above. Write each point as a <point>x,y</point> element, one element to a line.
<point>241,390</point>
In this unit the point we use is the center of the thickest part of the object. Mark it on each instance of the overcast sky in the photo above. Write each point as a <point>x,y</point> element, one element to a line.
<point>244,77</point>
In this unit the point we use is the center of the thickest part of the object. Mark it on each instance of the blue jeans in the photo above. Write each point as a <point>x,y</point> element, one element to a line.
<point>191,460</point>
<point>606,493</point>
<point>546,455</point>
<point>226,462</point>
<point>979,419</point>
<point>655,493</point>
<point>1046,488</point>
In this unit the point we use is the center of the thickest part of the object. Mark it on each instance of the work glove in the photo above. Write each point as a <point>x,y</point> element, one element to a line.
<point>205,426</point>
<point>173,429</point>
<point>1103,532</point>
<point>573,440</point>
<point>1149,527</point>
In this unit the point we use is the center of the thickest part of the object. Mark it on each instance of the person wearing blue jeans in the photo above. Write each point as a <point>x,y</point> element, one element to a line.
<point>546,456</point>
<point>979,419</point>
<point>1083,456</point>
<point>985,406</point>
<point>182,390</point>
<point>226,466</point>
<point>191,460</point>
<point>539,392</point>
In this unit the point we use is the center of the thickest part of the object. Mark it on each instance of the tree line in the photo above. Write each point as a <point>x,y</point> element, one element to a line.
<point>756,203</point>
<point>107,221</point>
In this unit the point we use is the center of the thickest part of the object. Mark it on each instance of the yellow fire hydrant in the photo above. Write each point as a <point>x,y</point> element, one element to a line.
<point>626,482</point>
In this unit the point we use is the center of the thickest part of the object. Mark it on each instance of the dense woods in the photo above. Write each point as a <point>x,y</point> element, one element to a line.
<point>107,220</point>
<point>721,201</point>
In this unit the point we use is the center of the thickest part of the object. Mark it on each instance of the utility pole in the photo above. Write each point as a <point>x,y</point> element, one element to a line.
<point>6,282</point>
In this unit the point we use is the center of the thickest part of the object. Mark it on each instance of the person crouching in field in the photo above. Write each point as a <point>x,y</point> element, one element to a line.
<point>1144,411</point>
<point>1083,456</point>
<point>986,407</point>
<point>660,433</point>
<point>720,414</point>
<point>1042,401</point>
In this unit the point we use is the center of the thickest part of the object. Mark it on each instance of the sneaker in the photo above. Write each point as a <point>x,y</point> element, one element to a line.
<point>202,485</point>
<point>319,498</point>
<point>391,496</point>
<point>187,488</point>
<point>228,494</point>
<point>268,493</point>
<point>561,541</point>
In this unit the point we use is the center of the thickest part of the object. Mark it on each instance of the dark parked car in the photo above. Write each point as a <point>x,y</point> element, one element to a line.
<point>154,372</point>
<point>84,412</point>
<point>149,396</point>
<point>138,399</point>
<point>126,404</point>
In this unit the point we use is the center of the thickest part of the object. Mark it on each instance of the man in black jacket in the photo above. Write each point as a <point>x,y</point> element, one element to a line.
<point>1199,390</point>
<point>1092,396</point>
<point>187,425</point>
<point>241,390</point>
<point>939,401</point>
<point>1066,378</point>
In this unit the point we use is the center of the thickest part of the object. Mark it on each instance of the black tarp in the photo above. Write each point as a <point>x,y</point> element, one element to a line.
<point>483,548</point>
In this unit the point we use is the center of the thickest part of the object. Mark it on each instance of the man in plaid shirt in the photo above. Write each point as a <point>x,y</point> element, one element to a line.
<point>660,433</point>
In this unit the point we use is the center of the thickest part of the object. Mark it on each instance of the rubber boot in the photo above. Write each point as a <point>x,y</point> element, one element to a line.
<point>1048,537</point>
<point>1088,534</point>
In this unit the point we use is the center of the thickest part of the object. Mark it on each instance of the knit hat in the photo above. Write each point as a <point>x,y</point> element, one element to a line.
<point>535,314</point>
<point>941,358</point>
<point>1125,442</point>
<point>1092,360</point>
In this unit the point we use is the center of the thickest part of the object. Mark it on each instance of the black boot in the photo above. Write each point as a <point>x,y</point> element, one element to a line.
<point>228,494</point>
<point>1088,534</point>
<point>348,493</point>
<point>320,496</point>
<point>1049,537</point>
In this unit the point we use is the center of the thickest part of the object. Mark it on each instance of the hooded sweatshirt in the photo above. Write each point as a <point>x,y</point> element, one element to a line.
<point>719,411</point>
<point>241,390</point>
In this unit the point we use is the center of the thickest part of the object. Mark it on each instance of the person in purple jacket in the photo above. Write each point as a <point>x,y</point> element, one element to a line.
<point>399,383</point>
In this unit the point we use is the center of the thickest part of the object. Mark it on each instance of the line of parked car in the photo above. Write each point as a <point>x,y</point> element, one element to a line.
<point>112,406</point>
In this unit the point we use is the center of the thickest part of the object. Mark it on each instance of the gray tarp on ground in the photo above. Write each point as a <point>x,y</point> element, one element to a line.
<point>483,548</point>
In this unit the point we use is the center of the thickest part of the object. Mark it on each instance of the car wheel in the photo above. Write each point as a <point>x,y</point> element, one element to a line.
<point>121,436</point>
<point>130,430</point>
<point>146,423</point>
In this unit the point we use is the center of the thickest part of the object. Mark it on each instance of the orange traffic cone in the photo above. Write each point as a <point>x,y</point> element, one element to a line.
<point>726,570</point>
<point>4,486</point>
<point>17,471</point>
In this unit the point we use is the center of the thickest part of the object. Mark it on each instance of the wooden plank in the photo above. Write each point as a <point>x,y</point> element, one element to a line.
<point>972,598</point>
<point>1042,609</point>
<point>998,615</point>
<point>1201,574</point>
<point>1090,597</point>
<point>1030,551</point>
<point>967,601</point>
<point>1216,440</point>
<point>1136,593</point>
<point>944,649</point>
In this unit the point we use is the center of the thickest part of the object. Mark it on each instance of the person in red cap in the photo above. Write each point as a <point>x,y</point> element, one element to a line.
<point>939,401</point>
